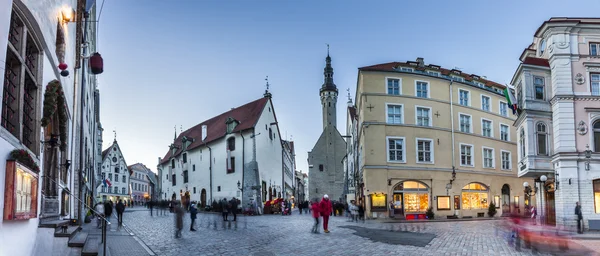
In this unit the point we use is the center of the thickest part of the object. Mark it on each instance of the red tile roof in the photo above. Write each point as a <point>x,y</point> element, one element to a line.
<point>391,66</point>
<point>536,61</point>
<point>247,116</point>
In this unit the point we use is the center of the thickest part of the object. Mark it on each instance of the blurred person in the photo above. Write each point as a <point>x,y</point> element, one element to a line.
<point>326,209</point>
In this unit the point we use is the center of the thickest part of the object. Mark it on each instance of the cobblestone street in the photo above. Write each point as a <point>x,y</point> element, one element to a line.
<point>289,235</point>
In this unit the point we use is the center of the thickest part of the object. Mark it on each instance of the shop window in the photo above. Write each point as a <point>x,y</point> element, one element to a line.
<point>378,202</point>
<point>475,196</point>
<point>415,196</point>
<point>497,201</point>
<point>597,196</point>
<point>443,203</point>
<point>516,201</point>
<point>456,202</point>
<point>22,189</point>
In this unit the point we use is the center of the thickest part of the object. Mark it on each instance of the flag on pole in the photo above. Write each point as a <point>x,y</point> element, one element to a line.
<point>106,181</point>
<point>512,102</point>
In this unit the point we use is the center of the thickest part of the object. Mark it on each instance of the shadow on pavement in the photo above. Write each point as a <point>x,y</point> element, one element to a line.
<point>393,237</point>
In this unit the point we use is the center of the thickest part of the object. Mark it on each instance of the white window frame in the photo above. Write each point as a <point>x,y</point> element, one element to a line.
<point>491,127</point>
<point>597,49</point>
<point>387,149</point>
<point>470,124</point>
<point>401,113</point>
<point>417,150</point>
<point>457,78</point>
<point>405,69</point>
<point>509,160</point>
<point>479,84</point>
<point>543,88</point>
<point>417,116</point>
<point>500,108</point>
<point>472,154</point>
<point>469,98</point>
<point>500,131</point>
<point>483,158</point>
<point>594,82</point>
<point>490,102</point>
<point>387,78</point>
<point>546,140</point>
<point>428,89</point>
<point>433,73</point>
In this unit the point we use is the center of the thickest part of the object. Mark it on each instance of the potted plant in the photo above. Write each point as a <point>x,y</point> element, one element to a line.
<point>430,215</point>
<point>492,210</point>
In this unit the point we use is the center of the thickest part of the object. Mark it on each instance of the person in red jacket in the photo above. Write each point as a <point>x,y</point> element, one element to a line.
<point>316,213</point>
<point>326,208</point>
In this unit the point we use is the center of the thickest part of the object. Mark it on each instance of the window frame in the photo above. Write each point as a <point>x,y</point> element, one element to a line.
<point>535,95</point>
<point>500,104</point>
<point>431,151</point>
<point>387,117</point>
<point>470,122</point>
<point>230,143</point>
<point>597,48</point>
<point>387,78</point>
<point>405,69</point>
<point>593,133</point>
<point>592,82</point>
<point>502,151</point>
<point>439,198</point>
<point>491,127</point>
<point>507,129</point>
<point>430,116</point>
<point>472,155</point>
<point>428,92</point>
<point>489,102</point>
<point>537,138</point>
<point>469,98</point>
<point>483,149</point>
<point>387,149</point>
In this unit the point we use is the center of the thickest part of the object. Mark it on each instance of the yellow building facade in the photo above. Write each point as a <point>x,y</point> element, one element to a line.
<point>432,137</point>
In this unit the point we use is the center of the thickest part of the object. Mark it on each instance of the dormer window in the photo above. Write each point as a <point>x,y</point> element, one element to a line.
<point>231,124</point>
<point>433,73</point>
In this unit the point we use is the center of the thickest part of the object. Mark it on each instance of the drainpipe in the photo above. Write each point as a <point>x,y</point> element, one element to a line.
<point>243,165</point>
<point>452,123</point>
<point>282,171</point>
<point>210,170</point>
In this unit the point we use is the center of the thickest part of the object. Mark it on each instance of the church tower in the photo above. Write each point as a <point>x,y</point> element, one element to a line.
<point>329,93</point>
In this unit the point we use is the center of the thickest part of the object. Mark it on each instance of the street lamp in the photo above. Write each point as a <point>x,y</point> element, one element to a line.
<point>240,186</point>
<point>528,190</point>
<point>588,157</point>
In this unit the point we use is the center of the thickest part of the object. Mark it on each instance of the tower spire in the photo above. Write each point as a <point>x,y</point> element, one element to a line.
<point>174,139</point>
<point>328,93</point>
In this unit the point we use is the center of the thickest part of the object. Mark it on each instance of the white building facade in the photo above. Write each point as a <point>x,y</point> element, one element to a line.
<point>235,154</point>
<point>140,184</point>
<point>115,183</point>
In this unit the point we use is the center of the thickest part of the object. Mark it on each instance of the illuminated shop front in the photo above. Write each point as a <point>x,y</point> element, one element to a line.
<point>475,196</point>
<point>411,198</point>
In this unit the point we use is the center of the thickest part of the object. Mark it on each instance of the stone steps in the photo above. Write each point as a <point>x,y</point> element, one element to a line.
<point>91,247</point>
<point>71,230</point>
<point>78,240</point>
<point>53,223</point>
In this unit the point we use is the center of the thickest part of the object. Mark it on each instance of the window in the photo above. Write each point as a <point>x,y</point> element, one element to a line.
<point>488,158</point>
<point>466,155</point>
<point>185,176</point>
<point>486,128</point>
<point>395,149</point>
<point>458,78</point>
<point>475,196</point>
<point>506,160</point>
<point>321,167</point>
<point>503,109</point>
<point>424,151</point>
<point>173,179</point>
<point>520,95</point>
<point>270,134</point>
<point>116,169</point>
<point>172,163</point>
<point>538,83</point>
<point>542,46</point>
<point>595,84</point>
<point>596,184</point>
<point>110,177</point>
<point>485,103</point>
<point>123,191</point>
<point>464,97</point>
<point>423,116</point>
<point>20,101</point>
<point>433,73</point>
<point>103,176</point>
<point>406,69</point>
<point>522,142</point>
<point>443,203</point>
<point>116,191</point>
<point>184,156</point>
<point>516,201</point>
<point>232,165</point>
<point>422,89</point>
<point>193,168</point>
<point>231,143</point>
<point>394,114</point>
<point>594,49</point>
<point>218,188</point>
<point>465,123</point>
<point>504,132</point>
<point>597,136</point>
<point>416,196</point>
<point>194,190</point>
<point>541,139</point>
<point>393,86</point>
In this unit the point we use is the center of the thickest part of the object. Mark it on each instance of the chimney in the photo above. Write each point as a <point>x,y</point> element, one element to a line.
<point>204,131</point>
<point>420,62</point>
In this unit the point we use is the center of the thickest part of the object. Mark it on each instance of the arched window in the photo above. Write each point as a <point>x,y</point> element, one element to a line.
<point>475,196</point>
<point>411,196</point>
<point>522,142</point>
<point>597,136</point>
<point>542,141</point>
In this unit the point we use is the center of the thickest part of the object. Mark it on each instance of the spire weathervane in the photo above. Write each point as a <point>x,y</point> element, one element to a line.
<point>267,93</point>
<point>115,132</point>
<point>327,49</point>
<point>267,79</point>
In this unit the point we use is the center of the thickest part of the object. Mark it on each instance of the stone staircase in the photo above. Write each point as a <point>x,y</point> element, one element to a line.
<point>79,242</point>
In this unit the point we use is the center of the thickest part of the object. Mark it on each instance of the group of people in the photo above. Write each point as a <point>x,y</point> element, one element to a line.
<point>230,206</point>
<point>104,210</point>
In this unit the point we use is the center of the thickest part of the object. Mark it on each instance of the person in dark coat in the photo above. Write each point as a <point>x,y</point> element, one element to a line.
<point>300,204</point>
<point>193,212</point>
<point>120,209</point>
<point>579,218</point>
<point>233,203</point>
<point>225,208</point>
<point>179,212</point>
<point>108,210</point>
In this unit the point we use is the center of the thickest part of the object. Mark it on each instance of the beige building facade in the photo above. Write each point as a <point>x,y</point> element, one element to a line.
<point>432,137</point>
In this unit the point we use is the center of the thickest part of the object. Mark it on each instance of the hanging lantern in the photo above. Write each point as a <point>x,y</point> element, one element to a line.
<point>62,66</point>
<point>64,73</point>
<point>96,64</point>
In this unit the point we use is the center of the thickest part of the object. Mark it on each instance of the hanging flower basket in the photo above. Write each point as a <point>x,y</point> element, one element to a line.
<point>23,157</point>
<point>54,100</point>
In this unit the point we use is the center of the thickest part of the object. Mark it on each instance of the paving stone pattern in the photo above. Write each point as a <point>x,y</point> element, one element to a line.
<point>290,235</point>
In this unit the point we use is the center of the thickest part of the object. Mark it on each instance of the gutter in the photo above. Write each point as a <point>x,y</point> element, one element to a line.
<point>243,165</point>
<point>452,124</point>
<point>210,170</point>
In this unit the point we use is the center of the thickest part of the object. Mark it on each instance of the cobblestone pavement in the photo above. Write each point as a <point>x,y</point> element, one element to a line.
<point>290,235</point>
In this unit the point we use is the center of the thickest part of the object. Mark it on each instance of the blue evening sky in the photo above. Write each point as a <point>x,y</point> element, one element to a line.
<point>181,62</point>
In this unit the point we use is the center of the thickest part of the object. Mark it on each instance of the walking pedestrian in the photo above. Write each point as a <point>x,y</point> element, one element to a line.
<point>193,213</point>
<point>99,214</point>
<point>178,219</point>
<point>353,211</point>
<point>579,218</point>
<point>361,211</point>
<point>391,209</point>
<point>150,205</point>
<point>107,210</point>
<point>315,213</point>
<point>224,208</point>
<point>120,209</point>
<point>325,209</point>
<point>234,205</point>
<point>300,204</point>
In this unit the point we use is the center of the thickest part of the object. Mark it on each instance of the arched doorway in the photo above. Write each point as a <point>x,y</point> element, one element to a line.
<point>550,207</point>
<point>410,197</point>
<point>505,200</point>
<point>203,198</point>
